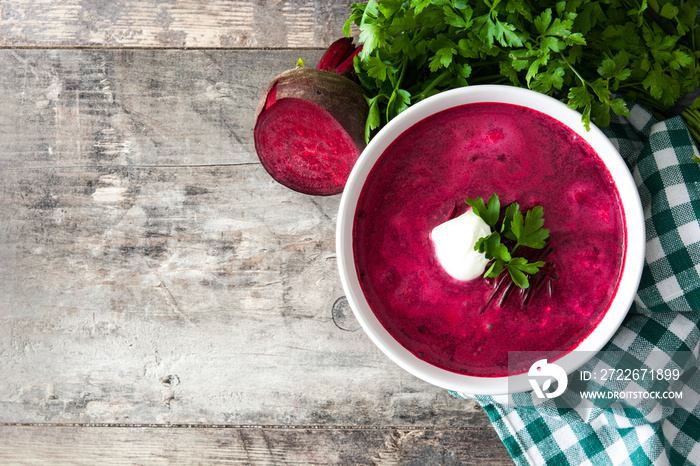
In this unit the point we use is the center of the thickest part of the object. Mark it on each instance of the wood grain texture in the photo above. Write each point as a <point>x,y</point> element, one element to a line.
<point>152,272</point>
<point>174,23</point>
<point>248,445</point>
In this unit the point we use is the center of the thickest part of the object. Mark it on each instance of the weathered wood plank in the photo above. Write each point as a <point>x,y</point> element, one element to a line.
<point>152,272</point>
<point>134,108</point>
<point>248,445</point>
<point>178,23</point>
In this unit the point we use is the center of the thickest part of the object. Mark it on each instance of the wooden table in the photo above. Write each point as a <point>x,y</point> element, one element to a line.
<point>162,299</point>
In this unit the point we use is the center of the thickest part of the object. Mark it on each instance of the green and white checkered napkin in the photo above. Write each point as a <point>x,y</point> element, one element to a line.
<point>663,320</point>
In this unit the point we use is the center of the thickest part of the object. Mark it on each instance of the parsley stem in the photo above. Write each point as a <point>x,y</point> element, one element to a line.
<point>691,115</point>
<point>432,85</point>
<point>419,35</point>
<point>583,81</point>
<point>692,120</point>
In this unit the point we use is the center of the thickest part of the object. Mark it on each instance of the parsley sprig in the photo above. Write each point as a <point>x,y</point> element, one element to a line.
<point>590,54</point>
<point>510,232</point>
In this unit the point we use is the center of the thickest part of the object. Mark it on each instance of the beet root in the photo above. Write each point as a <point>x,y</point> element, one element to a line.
<point>339,57</point>
<point>336,53</point>
<point>309,130</point>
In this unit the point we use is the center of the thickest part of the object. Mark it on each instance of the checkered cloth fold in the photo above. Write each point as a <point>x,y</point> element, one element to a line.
<point>663,321</point>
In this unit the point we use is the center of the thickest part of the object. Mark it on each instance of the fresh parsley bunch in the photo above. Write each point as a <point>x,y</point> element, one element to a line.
<point>590,54</point>
<point>507,236</point>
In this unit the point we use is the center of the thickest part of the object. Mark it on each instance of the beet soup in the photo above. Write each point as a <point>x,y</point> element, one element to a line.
<point>470,151</point>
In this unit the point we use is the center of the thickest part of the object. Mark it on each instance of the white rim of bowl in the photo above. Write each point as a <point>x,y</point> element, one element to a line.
<point>632,212</point>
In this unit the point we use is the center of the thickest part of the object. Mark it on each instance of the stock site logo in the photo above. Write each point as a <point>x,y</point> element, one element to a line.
<point>542,374</point>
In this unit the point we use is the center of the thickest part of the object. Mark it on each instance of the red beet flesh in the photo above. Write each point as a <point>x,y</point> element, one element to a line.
<point>310,130</point>
<point>307,149</point>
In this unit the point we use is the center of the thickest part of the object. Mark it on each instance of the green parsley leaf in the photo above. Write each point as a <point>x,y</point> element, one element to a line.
<point>517,275</point>
<point>592,55</point>
<point>506,226</point>
<point>619,107</point>
<point>453,19</point>
<point>506,35</point>
<point>669,11</point>
<point>528,267</point>
<point>575,39</point>
<point>529,232</point>
<point>560,28</point>
<point>526,231</point>
<point>600,87</point>
<point>374,118</point>
<point>543,21</point>
<point>495,269</point>
<point>489,211</point>
<point>535,66</point>
<point>355,18</point>
<point>578,97</point>
<point>545,82</point>
<point>608,69</point>
<point>377,68</point>
<point>600,112</point>
<point>420,5</point>
<point>552,43</point>
<point>518,267</point>
<point>495,249</point>
<point>389,7</point>
<point>372,37</point>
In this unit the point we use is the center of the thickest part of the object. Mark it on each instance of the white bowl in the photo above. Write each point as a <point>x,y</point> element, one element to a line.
<point>633,219</point>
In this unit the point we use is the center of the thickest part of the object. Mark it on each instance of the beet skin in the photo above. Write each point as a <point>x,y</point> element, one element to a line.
<point>309,129</point>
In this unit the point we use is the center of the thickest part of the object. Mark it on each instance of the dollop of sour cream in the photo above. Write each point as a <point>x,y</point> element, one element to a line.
<point>454,243</point>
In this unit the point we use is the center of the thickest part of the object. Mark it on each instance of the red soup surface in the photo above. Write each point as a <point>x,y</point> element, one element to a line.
<point>471,151</point>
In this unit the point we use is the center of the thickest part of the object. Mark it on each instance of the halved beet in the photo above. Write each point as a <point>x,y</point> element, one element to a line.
<point>309,130</point>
